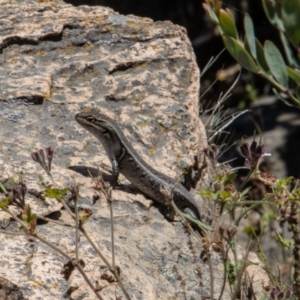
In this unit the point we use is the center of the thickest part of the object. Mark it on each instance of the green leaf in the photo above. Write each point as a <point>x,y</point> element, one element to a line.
<point>291,20</point>
<point>282,242</point>
<point>272,9</point>
<point>240,54</point>
<point>284,182</point>
<point>211,13</point>
<point>230,14</point>
<point>224,194</point>
<point>230,178</point>
<point>198,222</point>
<point>294,74</point>
<point>261,56</point>
<point>219,177</point>
<point>249,30</point>
<point>281,98</point>
<point>268,216</point>
<point>2,188</point>
<point>230,271</point>
<point>227,25</point>
<point>297,193</point>
<point>250,230</point>
<point>290,56</point>
<point>245,191</point>
<point>84,215</point>
<point>55,193</point>
<point>209,194</point>
<point>4,202</point>
<point>27,215</point>
<point>276,64</point>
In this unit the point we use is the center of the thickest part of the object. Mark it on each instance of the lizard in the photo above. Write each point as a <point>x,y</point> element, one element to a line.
<point>125,160</point>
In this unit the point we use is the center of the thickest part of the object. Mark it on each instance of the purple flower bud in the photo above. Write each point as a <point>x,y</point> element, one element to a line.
<point>253,154</point>
<point>253,147</point>
<point>23,190</point>
<point>245,150</point>
<point>49,154</point>
<point>212,153</point>
<point>274,292</point>
<point>40,156</point>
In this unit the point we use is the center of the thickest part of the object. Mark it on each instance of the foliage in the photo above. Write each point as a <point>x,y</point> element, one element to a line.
<point>280,205</point>
<point>265,60</point>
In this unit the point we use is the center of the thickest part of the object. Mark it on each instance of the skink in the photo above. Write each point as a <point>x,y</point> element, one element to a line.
<point>126,160</point>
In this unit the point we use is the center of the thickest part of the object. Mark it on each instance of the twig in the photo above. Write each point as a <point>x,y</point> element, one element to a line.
<point>113,270</point>
<point>37,236</point>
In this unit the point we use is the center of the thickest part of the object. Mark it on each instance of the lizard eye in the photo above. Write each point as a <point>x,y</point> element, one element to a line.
<point>90,119</point>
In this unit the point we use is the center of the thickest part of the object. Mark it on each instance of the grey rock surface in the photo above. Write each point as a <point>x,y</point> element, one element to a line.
<point>57,60</point>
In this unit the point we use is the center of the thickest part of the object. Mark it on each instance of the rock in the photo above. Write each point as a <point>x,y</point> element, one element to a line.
<point>57,60</point>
